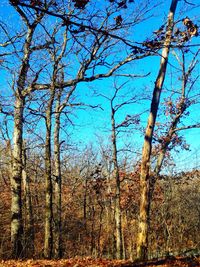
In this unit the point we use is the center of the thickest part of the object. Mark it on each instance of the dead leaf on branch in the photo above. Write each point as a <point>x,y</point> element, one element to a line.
<point>118,20</point>
<point>81,4</point>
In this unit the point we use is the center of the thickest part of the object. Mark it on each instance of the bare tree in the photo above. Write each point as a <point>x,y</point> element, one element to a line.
<point>142,245</point>
<point>48,242</point>
<point>16,179</point>
<point>176,113</point>
<point>117,102</point>
<point>58,181</point>
<point>91,39</point>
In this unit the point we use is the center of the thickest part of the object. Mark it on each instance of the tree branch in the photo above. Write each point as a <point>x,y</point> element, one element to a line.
<point>187,127</point>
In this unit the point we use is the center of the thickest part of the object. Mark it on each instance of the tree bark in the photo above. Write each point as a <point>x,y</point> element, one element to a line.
<point>48,239</point>
<point>119,245</point>
<point>142,243</point>
<point>29,222</point>
<point>16,179</point>
<point>58,183</point>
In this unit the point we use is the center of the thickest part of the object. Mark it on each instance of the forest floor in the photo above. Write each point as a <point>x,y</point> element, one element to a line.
<point>170,262</point>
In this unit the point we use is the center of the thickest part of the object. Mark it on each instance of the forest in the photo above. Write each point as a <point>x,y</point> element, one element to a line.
<point>99,133</point>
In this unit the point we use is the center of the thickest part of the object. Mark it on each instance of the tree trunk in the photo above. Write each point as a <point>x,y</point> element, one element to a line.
<point>16,179</point>
<point>119,245</point>
<point>99,254</point>
<point>48,240</point>
<point>142,243</point>
<point>58,184</point>
<point>29,223</point>
<point>93,241</point>
<point>85,203</point>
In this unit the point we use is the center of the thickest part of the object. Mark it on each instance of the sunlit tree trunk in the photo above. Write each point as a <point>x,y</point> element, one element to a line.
<point>142,243</point>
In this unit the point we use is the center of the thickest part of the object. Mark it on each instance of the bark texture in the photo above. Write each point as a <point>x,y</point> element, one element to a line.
<point>118,222</point>
<point>142,243</point>
<point>28,210</point>
<point>48,240</point>
<point>58,183</point>
<point>16,179</point>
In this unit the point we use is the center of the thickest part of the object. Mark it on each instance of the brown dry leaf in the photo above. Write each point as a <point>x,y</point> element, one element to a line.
<point>89,262</point>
